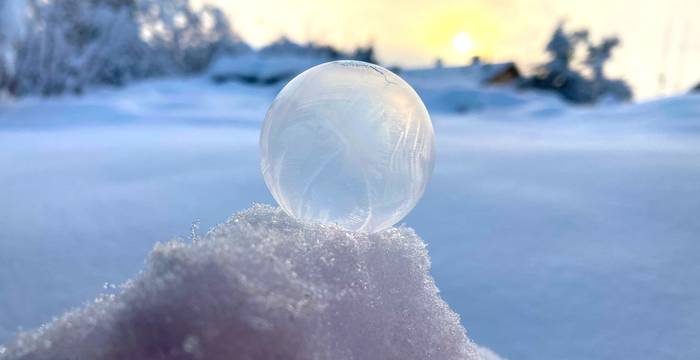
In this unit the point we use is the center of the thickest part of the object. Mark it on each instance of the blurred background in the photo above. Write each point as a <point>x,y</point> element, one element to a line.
<point>658,56</point>
<point>562,215</point>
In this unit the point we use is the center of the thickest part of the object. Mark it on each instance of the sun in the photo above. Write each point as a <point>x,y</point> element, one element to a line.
<point>462,42</point>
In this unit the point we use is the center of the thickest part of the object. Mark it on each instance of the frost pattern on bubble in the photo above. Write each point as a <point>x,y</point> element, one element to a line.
<point>266,286</point>
<point>350,143</point>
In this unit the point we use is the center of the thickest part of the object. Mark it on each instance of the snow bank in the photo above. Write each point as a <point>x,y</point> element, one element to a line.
<point>264,286</point>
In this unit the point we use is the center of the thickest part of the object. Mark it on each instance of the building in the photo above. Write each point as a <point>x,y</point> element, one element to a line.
<point>498,74</point>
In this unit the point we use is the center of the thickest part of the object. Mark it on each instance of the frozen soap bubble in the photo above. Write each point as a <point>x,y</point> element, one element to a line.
<point>350,143</point>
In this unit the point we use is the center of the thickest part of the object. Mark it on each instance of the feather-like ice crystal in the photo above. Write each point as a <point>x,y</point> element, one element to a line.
<point>350,143</point>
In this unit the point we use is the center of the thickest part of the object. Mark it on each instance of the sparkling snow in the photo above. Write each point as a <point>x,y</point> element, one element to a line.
<point>265,286</point>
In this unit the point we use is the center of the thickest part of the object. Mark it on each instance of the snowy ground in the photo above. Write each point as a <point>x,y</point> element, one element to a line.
<point>556,233</point>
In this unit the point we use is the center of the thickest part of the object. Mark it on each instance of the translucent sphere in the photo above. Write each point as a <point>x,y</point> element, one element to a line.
<point>349,143</point>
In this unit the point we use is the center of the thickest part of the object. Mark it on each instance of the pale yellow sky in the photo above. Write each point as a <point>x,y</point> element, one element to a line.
<point>660,52</point>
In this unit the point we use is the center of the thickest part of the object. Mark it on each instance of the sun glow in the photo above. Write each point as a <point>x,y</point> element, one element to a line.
<point>462,43</point>
<point>456,33</point>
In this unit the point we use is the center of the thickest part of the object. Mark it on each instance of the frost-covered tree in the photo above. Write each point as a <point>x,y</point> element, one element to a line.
<point>12,31</point>
<point>561,47</point>
<point>599,54</point>
<point>563,75</point>
<point>74,43</point>
<point>596,58</point>
<point>187,38</point>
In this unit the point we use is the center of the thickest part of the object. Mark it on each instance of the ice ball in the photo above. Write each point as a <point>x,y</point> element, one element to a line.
<point>349,143</point>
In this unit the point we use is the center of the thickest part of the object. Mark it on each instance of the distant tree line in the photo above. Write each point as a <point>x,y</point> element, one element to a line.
<point>582,82</point>
<point>54,46</point>
<point>285,46</point>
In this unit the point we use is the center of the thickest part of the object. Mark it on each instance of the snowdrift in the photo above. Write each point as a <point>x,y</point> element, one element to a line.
<point>264,286</point>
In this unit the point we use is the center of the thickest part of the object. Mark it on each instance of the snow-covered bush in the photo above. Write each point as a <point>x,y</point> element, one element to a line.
<point>264,286</point>
<point>74,43</point>
<point>561,75</point>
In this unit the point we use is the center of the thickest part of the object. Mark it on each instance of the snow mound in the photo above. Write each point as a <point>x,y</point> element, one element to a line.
<point>264,286</point>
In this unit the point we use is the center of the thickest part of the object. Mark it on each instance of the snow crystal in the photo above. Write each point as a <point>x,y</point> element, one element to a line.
<point>264,286</point>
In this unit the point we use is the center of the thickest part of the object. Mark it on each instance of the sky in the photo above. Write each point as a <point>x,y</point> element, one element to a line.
<point>659,54</point>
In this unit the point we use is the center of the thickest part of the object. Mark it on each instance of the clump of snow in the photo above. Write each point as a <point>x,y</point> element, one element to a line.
<point>264,286</point>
